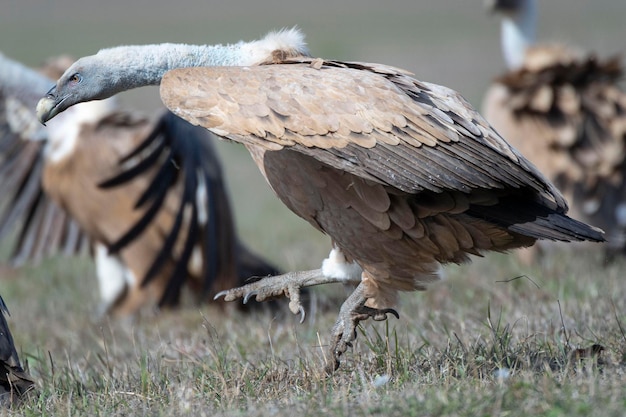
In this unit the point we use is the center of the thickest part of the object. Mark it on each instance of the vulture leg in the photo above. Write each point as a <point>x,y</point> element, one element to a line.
<point>288,284</point>
<point>352,312</point>
<point>335,268</point>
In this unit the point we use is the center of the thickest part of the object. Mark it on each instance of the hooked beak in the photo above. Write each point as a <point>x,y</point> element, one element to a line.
<point>48,106</point>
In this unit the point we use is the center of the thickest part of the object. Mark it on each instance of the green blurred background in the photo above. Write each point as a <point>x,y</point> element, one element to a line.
<point>455,43</point>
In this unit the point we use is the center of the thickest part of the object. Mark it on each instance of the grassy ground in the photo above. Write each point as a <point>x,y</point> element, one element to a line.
<point>478,343</point>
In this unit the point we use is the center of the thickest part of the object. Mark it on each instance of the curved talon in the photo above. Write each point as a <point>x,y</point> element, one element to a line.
<point>246,298</point>
<point>220,294</point>
<point>302,313</point>
<point>382,314</point>
<point>331,368</point>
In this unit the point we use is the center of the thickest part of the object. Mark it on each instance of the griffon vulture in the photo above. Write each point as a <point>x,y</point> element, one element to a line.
<point>565,111</point>
<point>403,175</point>
<point>163,220</point>
<point>14,381</point>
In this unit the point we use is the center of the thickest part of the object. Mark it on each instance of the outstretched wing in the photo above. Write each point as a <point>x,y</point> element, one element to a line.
<point>371,120</point>
<point>43,228</point>
<point>183,153</point>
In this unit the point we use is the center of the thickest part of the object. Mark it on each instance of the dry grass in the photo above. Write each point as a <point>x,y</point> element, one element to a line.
<point>472,345</point>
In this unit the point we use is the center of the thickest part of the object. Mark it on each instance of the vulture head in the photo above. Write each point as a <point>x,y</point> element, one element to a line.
<point>81,82</point>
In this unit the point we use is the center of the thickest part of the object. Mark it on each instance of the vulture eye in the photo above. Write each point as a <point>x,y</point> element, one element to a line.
<point>75,78</point>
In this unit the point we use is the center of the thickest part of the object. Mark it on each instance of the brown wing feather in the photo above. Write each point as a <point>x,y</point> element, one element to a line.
<point>356,117</point>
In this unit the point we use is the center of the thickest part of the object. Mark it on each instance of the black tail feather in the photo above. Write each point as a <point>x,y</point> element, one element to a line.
<point>532,219</point>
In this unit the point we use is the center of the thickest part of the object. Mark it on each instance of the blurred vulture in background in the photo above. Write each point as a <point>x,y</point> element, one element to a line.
<point>14,381</point>
<point>148,195</point>
<point>565,111</point>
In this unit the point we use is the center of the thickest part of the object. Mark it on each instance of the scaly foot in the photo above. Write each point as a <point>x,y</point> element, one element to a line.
<point>335,268</point>
<point>288,284</point>
<point>352,312</point>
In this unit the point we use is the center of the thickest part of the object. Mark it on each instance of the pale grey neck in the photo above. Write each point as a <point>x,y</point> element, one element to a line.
<point>138,66</point>
<point>518,33</point>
